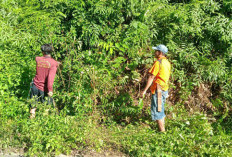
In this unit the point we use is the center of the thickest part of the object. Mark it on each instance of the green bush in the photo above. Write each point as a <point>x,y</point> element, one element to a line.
<point>105,49</point>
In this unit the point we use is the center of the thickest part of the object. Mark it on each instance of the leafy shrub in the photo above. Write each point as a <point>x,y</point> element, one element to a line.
<point>105,49</point>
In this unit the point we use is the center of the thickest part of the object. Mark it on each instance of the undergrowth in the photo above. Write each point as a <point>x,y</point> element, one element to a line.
<point>52,133</point>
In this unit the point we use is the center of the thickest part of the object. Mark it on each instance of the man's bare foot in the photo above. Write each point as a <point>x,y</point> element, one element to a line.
<point>32,115</point>
<point>32,112</point>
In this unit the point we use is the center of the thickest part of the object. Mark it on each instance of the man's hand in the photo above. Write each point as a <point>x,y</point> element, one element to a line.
<point>143,93</point>
<point>50,94</point>
<point>59,63</point>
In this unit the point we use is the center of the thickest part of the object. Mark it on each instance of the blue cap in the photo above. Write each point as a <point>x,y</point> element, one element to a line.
<point>161,48</point>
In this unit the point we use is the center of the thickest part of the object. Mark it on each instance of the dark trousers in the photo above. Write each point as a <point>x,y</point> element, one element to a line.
<point>38,96</point>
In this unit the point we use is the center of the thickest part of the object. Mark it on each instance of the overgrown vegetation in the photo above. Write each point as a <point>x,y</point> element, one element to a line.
<point>104,47</point>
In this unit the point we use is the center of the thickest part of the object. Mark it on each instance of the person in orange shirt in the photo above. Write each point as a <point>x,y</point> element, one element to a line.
<point>158,83</point>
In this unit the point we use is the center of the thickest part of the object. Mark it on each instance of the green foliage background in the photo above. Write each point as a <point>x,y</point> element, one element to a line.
<point>105,49</point>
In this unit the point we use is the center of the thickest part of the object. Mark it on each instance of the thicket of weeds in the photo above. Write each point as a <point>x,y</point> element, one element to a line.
<point>51,133</point>
<point>105,51</point>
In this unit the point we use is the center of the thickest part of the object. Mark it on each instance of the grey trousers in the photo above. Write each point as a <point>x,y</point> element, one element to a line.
<point>38,96</point>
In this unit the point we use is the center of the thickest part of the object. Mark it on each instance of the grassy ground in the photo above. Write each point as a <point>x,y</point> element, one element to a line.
<point>51,134</point>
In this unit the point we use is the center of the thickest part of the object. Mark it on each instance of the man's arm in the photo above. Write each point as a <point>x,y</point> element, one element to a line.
<point>149,83</point>
<point>153,72</point>
<point>51,77</point>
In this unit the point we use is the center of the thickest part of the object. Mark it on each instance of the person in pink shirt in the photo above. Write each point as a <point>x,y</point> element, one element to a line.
<point>42,84</point>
